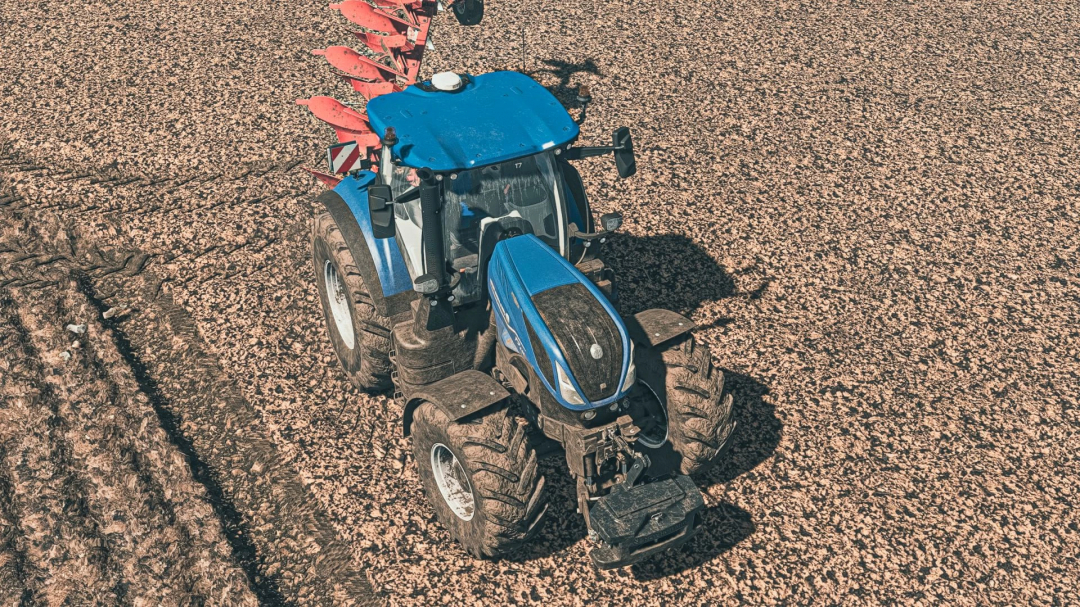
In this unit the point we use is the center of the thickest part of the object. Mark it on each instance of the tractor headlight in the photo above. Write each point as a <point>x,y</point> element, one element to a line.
<point>631,372</point>
<point>566,389</point>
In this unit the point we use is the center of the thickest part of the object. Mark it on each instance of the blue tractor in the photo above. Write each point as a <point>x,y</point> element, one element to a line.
<point>465,273</point>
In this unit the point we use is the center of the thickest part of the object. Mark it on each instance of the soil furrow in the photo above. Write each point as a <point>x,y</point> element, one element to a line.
<point>71,560</point>
<point>207,565</point>
<point>14,566</point>
<point>236,460</point>
<point>13,563</point>
<point>150,549</point>
<point>272,529</point>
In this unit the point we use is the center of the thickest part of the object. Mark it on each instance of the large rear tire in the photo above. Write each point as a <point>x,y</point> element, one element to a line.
<point>481,477</point>
<point>681,376</point>
<point>359,334</point>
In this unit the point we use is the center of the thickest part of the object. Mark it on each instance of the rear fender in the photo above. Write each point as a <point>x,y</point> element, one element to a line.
<point>379,260</point>
<point>457,396</point>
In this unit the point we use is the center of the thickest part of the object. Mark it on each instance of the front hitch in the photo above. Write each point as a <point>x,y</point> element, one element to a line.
<point>629,515</point>
<point>632,523</point>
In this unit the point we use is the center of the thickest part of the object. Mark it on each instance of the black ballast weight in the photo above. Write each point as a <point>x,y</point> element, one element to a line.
<point>633,523</point>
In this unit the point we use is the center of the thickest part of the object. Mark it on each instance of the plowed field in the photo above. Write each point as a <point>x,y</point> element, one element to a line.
<point>871,210</point>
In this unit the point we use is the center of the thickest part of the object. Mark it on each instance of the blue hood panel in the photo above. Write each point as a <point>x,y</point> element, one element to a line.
<point>536,265</point>
<point>494,118</point>
<point>521,268</point>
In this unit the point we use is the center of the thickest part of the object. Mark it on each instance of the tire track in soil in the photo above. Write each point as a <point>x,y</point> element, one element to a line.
<point>13,562</point>
<point>115,439</point>
<point>275,532</point>
<point>237,532</point>
<point>14,565</point>
<point>61,534</point>
<point>293,546</point>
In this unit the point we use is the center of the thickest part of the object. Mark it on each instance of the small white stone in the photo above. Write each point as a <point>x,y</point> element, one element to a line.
<point>76,329</point>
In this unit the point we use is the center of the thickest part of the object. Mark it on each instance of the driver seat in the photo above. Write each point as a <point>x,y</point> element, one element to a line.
<point>494,229</point>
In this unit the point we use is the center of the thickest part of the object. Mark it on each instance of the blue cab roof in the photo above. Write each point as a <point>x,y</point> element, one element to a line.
<point>493,118</point>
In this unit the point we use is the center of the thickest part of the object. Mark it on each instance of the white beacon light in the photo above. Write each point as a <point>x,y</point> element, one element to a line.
<point>446,81</point>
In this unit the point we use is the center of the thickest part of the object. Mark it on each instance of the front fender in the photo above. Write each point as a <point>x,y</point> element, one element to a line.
<point>458,396</point>
<point>654,327</point>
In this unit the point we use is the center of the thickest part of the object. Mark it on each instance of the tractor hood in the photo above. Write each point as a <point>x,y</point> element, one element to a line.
<point>493,118</point>
<point>550,313</point>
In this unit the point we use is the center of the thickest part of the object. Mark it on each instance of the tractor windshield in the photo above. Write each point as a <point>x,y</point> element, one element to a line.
<point>480,207</point>
<point>485,204</point>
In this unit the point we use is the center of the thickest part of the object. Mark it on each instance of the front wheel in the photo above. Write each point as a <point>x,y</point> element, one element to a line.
<point>481,477</point>
<point>689,410</point>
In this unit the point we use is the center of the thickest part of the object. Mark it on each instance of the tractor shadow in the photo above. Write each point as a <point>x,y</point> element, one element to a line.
<point>668,271</point>
<point>565,89</point>
<point>724,526</point>
<point>672,271</point>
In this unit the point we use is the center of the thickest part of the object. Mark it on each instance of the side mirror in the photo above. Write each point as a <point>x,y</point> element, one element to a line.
<point>380,203</point>
<point>624,152</point>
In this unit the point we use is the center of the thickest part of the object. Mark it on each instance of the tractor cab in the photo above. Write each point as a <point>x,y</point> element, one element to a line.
<point>494,149</point>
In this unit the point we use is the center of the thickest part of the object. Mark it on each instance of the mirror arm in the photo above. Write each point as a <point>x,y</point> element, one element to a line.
<point>602,235</point>
<point>583,97</point>
<point>589,151</point>
<point>408,195</point>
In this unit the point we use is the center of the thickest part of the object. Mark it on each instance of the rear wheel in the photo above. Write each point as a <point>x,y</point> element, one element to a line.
<point>693,415</point>
<point>481,477</point>
<point>359,334</point>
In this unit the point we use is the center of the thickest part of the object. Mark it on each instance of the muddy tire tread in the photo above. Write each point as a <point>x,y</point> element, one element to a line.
<point>502,468</point>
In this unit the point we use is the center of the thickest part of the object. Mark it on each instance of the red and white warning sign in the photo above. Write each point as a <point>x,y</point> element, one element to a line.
<point>344,157</point>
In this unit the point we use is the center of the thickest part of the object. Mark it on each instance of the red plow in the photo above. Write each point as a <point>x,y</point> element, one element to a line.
<point>395,34</point>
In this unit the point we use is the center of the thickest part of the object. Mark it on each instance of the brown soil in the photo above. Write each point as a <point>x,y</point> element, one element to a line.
<point>98,505</point>
<point>871,211</point>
